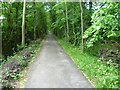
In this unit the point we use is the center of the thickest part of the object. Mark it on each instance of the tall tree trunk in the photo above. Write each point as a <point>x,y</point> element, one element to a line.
<point>82,29</point>
<point>73,26</point>
<point>90,8</point>
<point>23,23</point>
<point>10,26</point>
<point>67,20</point>
<point>64,27</point>
<point>16,20</point>
<point>34,20</point>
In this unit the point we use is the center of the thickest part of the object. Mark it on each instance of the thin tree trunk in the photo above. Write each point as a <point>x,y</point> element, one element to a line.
<point>65,27</point>
<point>17,8</point>
<point>10,26</point>
<point>73,26</point>
<point>23,24</point>
<point>34,21</point>
<point>67,21</point>
<point>82,29</point>
<point>90,9</point>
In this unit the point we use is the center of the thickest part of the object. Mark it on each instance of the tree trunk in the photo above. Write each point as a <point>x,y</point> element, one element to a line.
<point>34,21</point>
<point>64,27</point>
<point>67,21</point>
<point>17,8</point>
<point>73,26</point>
<point>10,26</point>
<point>23,24</point>
<point>90,8</point>
<point>82,29</point>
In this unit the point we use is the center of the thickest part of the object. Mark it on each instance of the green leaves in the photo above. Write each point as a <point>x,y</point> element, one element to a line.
<point>105,24</point>
<point>35,24</point>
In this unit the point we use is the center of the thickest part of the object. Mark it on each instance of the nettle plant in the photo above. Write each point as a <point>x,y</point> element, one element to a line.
<point>104,24</point>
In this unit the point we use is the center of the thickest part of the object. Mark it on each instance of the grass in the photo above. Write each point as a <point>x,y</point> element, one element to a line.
<point>100,74</point>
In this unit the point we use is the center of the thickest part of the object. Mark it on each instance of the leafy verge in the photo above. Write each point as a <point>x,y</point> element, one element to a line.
<point>101,74</point>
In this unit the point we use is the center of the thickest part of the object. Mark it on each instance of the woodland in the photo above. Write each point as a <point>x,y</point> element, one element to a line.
<point>87,30</point>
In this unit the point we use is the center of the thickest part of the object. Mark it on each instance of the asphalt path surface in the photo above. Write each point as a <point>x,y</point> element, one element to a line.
<point>53,68</point>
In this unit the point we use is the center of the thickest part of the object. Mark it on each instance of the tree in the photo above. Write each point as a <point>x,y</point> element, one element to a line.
<point>12,13</point>
<point>34,5</point>
<point>90,11</point>
<point>82,29</point>
<point>67,20</point>
<point>23,24</point>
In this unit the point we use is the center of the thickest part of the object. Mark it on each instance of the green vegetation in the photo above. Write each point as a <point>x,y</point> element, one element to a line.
<point>100,25</point>
<point>35,25</point>
<point>91,31</point>
<point>23,29</point>
<point>13,67</point>
<point>105,25</point>
<point>101,74</point>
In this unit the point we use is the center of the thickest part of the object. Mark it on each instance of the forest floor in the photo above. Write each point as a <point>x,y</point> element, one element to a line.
<point>53,68</point>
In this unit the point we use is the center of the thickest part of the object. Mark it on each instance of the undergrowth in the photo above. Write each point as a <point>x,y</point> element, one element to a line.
<point>99,73</point>
<point>14,65</point>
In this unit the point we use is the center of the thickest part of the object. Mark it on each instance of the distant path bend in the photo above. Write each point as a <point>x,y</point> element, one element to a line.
<point>53,68</point>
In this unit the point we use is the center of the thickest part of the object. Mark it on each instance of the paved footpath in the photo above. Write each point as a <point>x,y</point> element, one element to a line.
<point>53,68</point>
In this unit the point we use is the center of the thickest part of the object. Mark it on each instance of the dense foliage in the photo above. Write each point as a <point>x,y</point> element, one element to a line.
<point>13,60</point>
<point>101,37</point>
<point>35,25</point>
<point>99,23</point>
<point>91,25</point>
<point>104,25</point>
<point>72,17</point>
